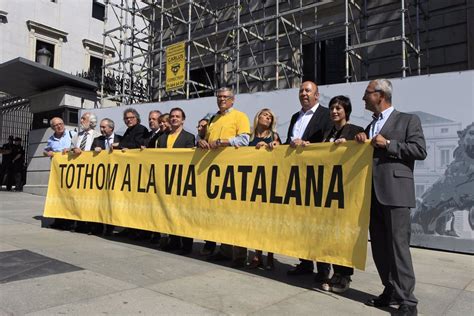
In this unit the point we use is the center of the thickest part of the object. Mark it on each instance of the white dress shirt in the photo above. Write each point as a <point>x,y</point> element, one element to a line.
<point>302,122</point>
<point>379,122</point>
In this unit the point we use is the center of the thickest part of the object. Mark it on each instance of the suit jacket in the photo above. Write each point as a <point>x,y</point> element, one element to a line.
<point>392,169</point>
<point>348,132</point>
<point>317,126</point>
<point>100,141</point>
<point>134,137</point>
<point>75,139</point>
<point>184,140</point>
<point>152,141</point>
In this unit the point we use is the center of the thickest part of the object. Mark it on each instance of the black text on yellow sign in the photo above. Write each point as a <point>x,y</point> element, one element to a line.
<point>175,66</point>
<point>310,203</point>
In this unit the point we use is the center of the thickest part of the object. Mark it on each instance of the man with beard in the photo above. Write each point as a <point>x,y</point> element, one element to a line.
<point>83,142</point>
<point>136,134</point>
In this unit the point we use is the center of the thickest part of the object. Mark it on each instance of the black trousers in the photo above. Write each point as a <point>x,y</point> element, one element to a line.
<point>390,230</point>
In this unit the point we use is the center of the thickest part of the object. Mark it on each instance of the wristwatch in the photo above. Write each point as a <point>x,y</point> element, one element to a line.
<point>218,142</point>
<point>387,143</point>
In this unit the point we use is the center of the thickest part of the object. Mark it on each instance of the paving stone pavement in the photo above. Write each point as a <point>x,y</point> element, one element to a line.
<point>49,272</point>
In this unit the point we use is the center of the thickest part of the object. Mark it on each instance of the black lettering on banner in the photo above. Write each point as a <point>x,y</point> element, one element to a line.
<point>100,176</point>
<point>180,177</point>
<point>111,176</point>
<point>79,171</point>
<point>190,182</point>
<point>89,175</point>
<point>70,176</point>
<point>228,186</point>
<point>62,167</point>
<point>259,185</point>
<point>151,179</point>
<point>212,194</point>
<point>293,182</point>
<point>169,179</point>
<point>126,179</point>
<point>244,170</point>
<point>312,186</point>
<point>338,195</point>
<point>273,197</point>
<point>139,188</point>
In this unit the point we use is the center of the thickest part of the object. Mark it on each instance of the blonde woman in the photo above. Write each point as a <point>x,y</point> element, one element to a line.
<point>264,135</point>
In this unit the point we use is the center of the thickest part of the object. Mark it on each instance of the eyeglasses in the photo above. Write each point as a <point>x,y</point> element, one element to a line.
<point>129,117</point>
<point>58,124</point>
<point>226,97</point>
<point>370,92</point>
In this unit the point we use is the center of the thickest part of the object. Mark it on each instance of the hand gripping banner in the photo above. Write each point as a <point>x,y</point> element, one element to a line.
<point>310,202</point>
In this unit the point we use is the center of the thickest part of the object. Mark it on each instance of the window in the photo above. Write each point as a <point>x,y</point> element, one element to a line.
<point>444,130</point>
<point>95,67</point>
<point>47,37</point>
<point>445,157</point>
<point>98,10</point>
<point>40,46</point>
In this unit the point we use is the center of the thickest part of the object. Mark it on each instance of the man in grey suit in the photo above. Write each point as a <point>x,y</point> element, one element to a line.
<point>398,141</point>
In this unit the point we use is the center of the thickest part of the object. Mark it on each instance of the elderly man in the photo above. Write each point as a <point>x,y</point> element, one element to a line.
<point>228,127</point>
<point>60,140</point>
<point>83,140</point>
<point>177,138</point>
<point>106,141</point>
<point>309,126</point>
<point>155,131</point>
<point>398,141</point>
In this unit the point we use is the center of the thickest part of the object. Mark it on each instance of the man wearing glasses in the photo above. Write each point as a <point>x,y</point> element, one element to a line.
<point>136,134</point>
<point>228,127</point>
<point>60,140</point>
<point>398,141</point>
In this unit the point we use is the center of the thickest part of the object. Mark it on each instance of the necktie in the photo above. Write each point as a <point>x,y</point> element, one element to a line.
<point>82,146</point>
<point>109,142</point>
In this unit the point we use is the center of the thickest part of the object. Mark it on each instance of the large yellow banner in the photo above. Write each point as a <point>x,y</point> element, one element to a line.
<point>310,202</point>
<point>175,66</point>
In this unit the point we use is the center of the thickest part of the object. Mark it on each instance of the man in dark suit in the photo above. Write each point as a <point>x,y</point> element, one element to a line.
<point>177,138</point>
<point>309,126</point>
<point>398,141</point>
<point>155,132</point>
<point>106,141</point>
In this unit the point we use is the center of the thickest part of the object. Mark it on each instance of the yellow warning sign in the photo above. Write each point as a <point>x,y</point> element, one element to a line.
<point>175,66</point>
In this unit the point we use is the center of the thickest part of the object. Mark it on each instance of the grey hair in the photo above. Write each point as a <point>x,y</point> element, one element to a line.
<point>55,118</point>
<point>385,86</point>
<point>110,123</point>
<point>155,111</point>
<point>132,110</point>
<point>92,120</point>
<point>225,89</point>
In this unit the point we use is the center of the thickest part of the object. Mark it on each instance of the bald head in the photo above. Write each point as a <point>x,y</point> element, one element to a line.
<point>308,95</point>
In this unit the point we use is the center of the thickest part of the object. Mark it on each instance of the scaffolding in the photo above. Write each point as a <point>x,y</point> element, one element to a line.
<point>248,45</point>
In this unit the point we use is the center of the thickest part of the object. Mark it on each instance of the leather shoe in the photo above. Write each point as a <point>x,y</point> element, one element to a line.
<point>299,270</point>
<point>382,300</point>
<point>407,310</point>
